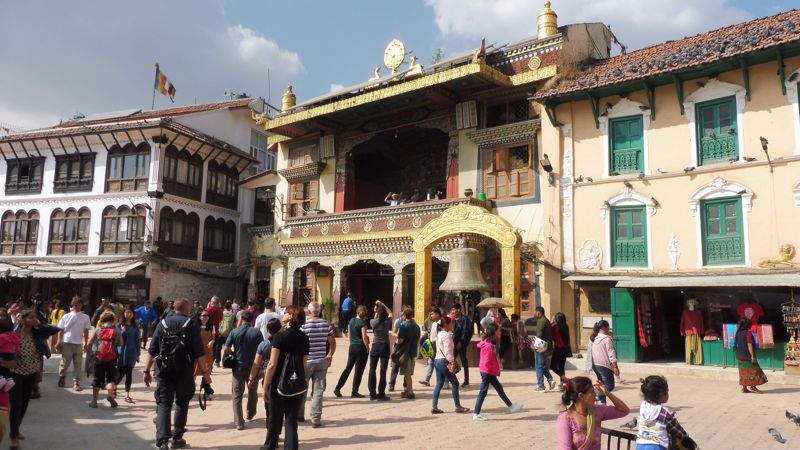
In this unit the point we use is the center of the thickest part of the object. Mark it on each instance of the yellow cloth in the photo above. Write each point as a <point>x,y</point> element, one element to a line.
<point>694,345</point>
<point>56,315</point>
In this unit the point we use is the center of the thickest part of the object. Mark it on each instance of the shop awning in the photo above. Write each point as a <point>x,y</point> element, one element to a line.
<point>48,274</point>
<point>771,280</point>
<point>51,269</point>
<point>104,271</point>
<point>596,277</point>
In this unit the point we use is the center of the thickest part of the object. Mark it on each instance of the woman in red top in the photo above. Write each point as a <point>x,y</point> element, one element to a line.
<point>562,348</point>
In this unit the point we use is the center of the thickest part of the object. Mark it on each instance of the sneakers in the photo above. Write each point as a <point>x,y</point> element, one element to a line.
<point>552,384</point>
<point>479,417</point>
<point>436,411</point>
<point>425,383</point>
<point>356,395</point>
<point>390,388</point>
<point>6,384</point>
<point>540,390</point>
<point>464,384</point>
<point>515,407</point>
<point>178,443</point>
<point>408,395</point>
<point>61,381</point>
<point>315,424</point>
<point>337,393</point>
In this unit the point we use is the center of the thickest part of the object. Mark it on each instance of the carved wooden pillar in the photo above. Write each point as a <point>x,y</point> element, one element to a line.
<point>423,283</point>
<point>511,275</point>
<point>452,166</point>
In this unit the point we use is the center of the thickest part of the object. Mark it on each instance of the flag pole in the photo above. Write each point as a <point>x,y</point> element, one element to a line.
<point>153,104</point>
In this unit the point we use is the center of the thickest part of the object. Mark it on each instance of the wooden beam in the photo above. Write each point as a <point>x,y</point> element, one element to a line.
<point>594,102</point>
<point>102,141</point>
<point>130,138</point>
<point>212,152</point>
<point>781,70</point>
<point>52,150</point>
<point>16,156</point>
<point>37,148</point>
<point>63,147</point>
<point>186,144</point>
<point>679,91</point>
<point>746,77</point>
<point>3,153</point>
<point>85,139</point>
<point>114,136</point>
<point>23,149</point>
<point>651,99</point>
<point>550,110</point>
<point>77,149</point>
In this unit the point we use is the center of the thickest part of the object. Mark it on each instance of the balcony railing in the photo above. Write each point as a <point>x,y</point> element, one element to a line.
<point>727,250</point>
<point>718,148</point>
<point>630,254</point>
<point>626,160</point>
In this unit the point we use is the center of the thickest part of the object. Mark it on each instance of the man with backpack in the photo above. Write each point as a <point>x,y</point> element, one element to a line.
<point>243,343</point>
<point>176,346</point>
<point>106,339</point>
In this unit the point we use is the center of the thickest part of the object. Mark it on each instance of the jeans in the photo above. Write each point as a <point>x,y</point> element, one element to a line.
<point>379,352</point>
<point>356,356</point>
<point>19,396</point>
<point>316,372</point>
<point>442,374</point>
<point>429,369</point>
<point>461,353</point>
<point>605,375</point>
<point>71,353</point>
<point>219,342</point>
<point>281,407</point>
<point>542,370</point>
<point>238,385</point>
<point>177,389</point>
<point>486,380</point>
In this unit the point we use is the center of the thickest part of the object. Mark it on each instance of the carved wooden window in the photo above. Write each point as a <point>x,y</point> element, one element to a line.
<point>128,168</point>
<point>306,154</point>
<point>628,236</point>
<point>177,233</point>
<point>219,240</point>
<point>123,230</point>
<point>20,233</point>
<point>304,198</point>
<point>507,172</point>
<point>74,172</point>
<point>507,112</point>
<point>183,173</point>
<point>69,232</point>
<point>24,176</point>
<point>223,186</point>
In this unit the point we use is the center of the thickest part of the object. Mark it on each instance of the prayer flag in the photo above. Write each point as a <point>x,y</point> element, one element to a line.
<point>163,85</point>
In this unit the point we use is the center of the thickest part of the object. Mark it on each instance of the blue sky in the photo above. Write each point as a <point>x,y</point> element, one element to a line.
<point>89,56</point>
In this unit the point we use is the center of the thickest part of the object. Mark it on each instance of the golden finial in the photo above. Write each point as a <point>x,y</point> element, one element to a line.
<point>288,100</point>
<point>547,22</point>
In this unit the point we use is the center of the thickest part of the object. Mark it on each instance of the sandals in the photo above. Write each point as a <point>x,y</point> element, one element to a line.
<point>462,410</point>
<point>93,404</point>
<point>128,399</point>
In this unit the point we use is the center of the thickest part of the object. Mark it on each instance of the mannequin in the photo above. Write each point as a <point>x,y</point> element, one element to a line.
<point>692,329</point>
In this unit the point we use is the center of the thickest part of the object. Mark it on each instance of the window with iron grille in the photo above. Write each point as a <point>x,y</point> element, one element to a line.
<point>74,172</point>
<point>507,172</point>
<point>20,232</point>
<point>628,236</point>
<point>723,231</point>
<point>24,176</point>
<point>627,144</point>
<point>717,130</point>
<point>507,112</point>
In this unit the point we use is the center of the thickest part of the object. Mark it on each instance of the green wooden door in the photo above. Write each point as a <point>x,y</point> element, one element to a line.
<point>723,232</point>
<point>627,145</point>
<point>623,322</point>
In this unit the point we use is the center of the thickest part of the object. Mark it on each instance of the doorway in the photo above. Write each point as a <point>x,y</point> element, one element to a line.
<point>368,281</point>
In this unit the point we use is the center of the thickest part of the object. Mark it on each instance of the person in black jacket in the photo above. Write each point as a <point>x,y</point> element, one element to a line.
<point>462,335</point>
<point>177,386</point>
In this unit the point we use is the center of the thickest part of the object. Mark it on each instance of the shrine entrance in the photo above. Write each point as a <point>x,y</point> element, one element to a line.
<point>368,281</point>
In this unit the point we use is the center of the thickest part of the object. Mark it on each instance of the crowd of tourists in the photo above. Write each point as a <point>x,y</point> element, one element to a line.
<point>287,353</point>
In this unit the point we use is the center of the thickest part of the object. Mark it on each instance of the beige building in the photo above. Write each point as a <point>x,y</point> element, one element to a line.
<point>680,178</point>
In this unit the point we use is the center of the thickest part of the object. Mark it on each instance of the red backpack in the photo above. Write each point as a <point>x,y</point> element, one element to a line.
<point>108,346</point>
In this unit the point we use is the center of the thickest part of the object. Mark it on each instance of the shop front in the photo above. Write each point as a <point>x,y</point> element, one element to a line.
<point>693,319</point>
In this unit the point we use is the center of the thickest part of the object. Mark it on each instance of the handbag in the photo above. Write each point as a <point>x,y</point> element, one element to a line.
<point>454,367</point>
<point>399,354</point>
<point>229,361</point>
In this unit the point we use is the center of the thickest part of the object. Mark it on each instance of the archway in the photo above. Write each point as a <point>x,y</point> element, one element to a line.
<point>463,219</point>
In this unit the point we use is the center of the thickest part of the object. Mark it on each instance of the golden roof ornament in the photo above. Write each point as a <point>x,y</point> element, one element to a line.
<point>547,24</point>
<point>289,100</point>
<point>395,55</point>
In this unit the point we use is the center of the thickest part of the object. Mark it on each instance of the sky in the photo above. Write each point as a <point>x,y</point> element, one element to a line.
<point>61,58</point>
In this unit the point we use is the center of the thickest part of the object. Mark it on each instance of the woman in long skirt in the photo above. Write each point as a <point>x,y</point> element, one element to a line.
<point>750,373</point>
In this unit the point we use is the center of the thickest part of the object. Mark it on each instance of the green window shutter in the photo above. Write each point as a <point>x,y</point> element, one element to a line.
<point>628,237</point>
<point>723,232</point>
<point>717,139</point>
<point>627,144</point>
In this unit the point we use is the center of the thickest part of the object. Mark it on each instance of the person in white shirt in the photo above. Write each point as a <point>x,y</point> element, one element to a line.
<point>263,319</point>
<point>72,339</point>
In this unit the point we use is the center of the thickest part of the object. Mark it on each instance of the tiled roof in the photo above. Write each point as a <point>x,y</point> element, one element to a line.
<point>158,113</point>
<point>686,53</point>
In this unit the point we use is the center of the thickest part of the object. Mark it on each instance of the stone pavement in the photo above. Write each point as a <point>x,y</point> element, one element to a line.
<point>712,411</point>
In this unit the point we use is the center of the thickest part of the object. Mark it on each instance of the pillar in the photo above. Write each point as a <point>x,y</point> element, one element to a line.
<point>397,286</point>
<point>511,275</point>
<point>423,283</point>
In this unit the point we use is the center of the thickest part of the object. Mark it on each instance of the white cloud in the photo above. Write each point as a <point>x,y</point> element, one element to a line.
<point>336,87</point>
<point>88,56</point>
<point>636,23</point>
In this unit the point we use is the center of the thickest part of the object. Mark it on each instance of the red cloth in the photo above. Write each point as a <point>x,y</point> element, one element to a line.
<point>557,340</point>
<point>753,311</point>
<point>692,323</point>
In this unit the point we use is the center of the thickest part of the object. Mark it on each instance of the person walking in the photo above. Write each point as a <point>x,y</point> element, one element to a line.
<point>263,352</point>
<point>604,357</point>
<point>106,339</point>
<point>177,346</point>
<point>291,343</point>
<point>395,367</point>
<point>519,335</point>
<point>33,346</point>
<point>226,325</point>
<point>462,336</point>
<point>357,354</point>
<point>55,317</point>
<point>129,351</point>
<point>490,371</point>
<point>147,319</point>
<point>408,337</point>
<point>431,330</point>
<point>264,318</point>
<point>380,351</point>
<point>243,342</point>
<point>541,360</point>
<point>750,373</point>
<point>578,426</point>
<point>158,305</point>
<point>71,341</point>
<point>207,337</point>
<point>348,308</point>
<point>562,350</point>
<point>444,363</point>
<point>322,346</point>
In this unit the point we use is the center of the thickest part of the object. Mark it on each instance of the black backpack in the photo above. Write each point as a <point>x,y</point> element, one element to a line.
<point>292,379</point>
<point>173,356</point>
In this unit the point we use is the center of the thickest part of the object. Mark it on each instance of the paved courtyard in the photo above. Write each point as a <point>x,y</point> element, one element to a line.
<point>713,412</point>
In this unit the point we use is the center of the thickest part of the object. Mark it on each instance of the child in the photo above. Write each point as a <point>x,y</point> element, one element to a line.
<point>657,424</point>
<point>490,370</point>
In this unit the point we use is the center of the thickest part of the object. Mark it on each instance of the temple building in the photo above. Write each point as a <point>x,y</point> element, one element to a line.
<point>377,182</point>
<point>131,205</point>
<point>680,174</point>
